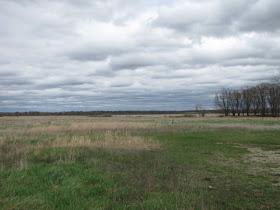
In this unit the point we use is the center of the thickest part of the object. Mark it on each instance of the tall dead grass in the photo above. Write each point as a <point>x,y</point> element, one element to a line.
<point>242,126</point>
<point>89,126</point>
<point>106,140</point>
<point>16,153</point>
<point>109,140</point>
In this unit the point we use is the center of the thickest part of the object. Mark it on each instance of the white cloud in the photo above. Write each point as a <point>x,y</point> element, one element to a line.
<point>118,55</point>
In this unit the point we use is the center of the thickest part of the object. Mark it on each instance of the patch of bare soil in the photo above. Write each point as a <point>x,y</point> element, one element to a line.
<point>258,155</point>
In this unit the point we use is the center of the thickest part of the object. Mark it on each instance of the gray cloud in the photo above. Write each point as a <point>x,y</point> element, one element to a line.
<point>220,18</point>
<point>263,16</point>
<point>126,55</point>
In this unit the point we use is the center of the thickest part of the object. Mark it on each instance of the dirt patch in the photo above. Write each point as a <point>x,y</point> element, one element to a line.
<point>262,161</point>
<point>261,156</point>
<point>277,184</point>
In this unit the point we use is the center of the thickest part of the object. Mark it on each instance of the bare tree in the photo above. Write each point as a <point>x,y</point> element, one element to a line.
<point>222,101</point>
<point>200,110</point>
<point>231,100</point>
<point>261,99</point>
<point>273,98</point>
<point>255,100</point>
<point>237,101</point>
<point>262,95</point>
<point>247,100</point>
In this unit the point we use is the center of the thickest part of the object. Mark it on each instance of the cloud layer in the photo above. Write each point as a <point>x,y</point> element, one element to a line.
<point>63,55</point>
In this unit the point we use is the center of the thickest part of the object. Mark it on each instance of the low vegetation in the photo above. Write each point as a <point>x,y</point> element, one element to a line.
<point>149,161</point>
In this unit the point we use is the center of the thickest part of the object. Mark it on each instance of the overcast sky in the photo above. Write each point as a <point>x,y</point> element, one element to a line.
<point>62,55</point>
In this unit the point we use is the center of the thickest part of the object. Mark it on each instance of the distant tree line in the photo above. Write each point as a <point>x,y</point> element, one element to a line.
<point>261,100</point>
<point>89,113</point>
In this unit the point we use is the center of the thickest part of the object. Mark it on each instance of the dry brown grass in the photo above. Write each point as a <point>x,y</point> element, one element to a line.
<point>16,152</point>
<point>106,140</point>
<point>18,135</point>
<point>89,126</point>
<point>109,140</point>
<point>9,151</point>
<point>156,123</point>
<point>241,126</point>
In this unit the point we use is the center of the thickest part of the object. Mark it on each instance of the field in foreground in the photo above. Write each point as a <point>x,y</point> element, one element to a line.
<point>150,162</point>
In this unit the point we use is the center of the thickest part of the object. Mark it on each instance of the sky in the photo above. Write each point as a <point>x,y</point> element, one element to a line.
<point>69,55</point>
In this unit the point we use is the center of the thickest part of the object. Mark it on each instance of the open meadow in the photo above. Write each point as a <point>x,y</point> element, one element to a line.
<point>139,161</point>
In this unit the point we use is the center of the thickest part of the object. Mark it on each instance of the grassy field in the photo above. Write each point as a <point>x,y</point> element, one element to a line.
<point>149,162</point>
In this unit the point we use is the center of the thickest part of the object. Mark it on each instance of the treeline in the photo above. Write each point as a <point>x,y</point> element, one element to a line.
<point>261,100</point>
<point>89,113</point>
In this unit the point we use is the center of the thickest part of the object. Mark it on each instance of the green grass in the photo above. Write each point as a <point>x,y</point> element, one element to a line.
<point>194,169</point>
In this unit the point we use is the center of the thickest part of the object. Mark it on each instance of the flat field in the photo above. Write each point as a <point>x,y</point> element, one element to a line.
<point>143,161</point>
